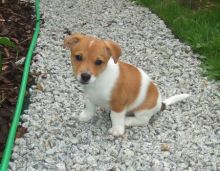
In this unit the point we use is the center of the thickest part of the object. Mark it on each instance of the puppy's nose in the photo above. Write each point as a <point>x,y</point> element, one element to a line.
<point>85,77</point>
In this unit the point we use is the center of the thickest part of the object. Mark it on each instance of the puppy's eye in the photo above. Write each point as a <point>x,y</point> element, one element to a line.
<point>98,62</point>
<point>78,58</point>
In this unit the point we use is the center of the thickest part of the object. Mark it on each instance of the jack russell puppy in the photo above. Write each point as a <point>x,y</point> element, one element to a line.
<point>113,84</point>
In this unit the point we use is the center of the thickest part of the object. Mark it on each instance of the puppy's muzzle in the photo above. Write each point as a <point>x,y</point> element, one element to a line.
<point>85,77</point>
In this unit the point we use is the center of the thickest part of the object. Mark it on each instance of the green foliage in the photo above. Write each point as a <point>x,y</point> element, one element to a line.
<point>4,41</point>
<point>199,28</point>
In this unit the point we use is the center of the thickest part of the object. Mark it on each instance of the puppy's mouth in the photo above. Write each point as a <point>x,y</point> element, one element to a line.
<point>83,82</point>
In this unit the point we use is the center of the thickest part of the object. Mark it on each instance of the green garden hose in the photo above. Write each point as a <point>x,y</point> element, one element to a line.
<point>19,105</point>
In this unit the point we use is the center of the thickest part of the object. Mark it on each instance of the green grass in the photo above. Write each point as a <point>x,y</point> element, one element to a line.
<point>199,28</point>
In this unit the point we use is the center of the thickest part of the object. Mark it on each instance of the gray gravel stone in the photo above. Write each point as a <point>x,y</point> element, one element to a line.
<point>56,140</point>
<point>61,166</point>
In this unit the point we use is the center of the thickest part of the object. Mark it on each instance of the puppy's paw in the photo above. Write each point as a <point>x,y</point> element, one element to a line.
<point>128,122</point>
<point>116,131</point>
<point>85,116</point>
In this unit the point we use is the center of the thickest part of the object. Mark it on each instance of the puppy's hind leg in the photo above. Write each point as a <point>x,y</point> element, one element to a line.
<point>141,118</point>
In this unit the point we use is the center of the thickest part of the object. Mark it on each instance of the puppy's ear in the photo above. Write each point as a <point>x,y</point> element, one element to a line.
<point>72,40</point>
<point>113,49</point>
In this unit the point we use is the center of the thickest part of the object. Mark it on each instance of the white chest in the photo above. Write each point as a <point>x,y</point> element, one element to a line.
<point>99,96</point>
<point>99,92</point>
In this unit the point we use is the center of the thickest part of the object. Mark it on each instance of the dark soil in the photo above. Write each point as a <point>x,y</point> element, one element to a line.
<point>16,22</point>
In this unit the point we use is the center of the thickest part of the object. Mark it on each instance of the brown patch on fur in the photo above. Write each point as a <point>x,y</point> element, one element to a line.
<point>113,49</point>
<point>127,87</point>
<point>150,99</point>
<point>73,39</point>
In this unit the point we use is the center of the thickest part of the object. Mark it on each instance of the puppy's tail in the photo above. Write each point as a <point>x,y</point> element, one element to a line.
<point>173,99</point>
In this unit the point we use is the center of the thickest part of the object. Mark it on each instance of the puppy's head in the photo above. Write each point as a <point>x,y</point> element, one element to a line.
<point>90,55</point>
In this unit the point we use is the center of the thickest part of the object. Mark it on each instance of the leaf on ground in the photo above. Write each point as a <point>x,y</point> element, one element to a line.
<point>4,130</point>
<point>4,67</point>
<point>12,100</point>
<point>2,121</point>
<point>4,31</point>
<point>21,131</point>
<point>7,42</point>
<point>3,134</point>
<point>5,80</point>
<point>39,87</point>
<point>165,147</point>
<point>7,52</point>
<point>15,40</point>
<point>5,112</point>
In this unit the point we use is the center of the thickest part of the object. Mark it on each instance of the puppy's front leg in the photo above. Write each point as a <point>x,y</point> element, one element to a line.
<point>118,123</point>
<point>88,112</point>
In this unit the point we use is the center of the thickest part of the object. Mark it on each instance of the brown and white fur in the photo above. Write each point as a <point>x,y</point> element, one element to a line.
<point>113,84</point>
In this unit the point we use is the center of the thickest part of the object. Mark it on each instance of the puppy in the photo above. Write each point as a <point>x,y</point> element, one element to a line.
<point>113,84</point>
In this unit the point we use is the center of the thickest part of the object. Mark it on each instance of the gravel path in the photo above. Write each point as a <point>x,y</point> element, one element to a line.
<point>184,137</point>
